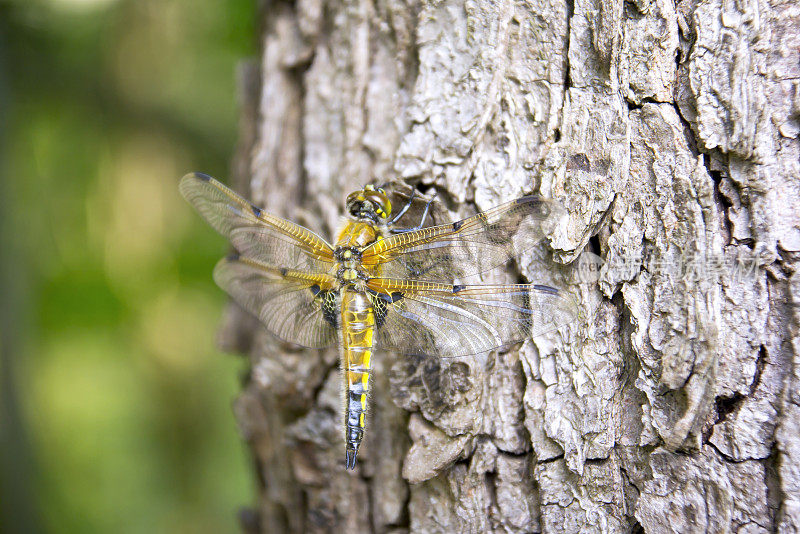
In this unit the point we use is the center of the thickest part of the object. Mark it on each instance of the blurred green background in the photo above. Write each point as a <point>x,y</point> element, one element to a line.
<point>115,405</point>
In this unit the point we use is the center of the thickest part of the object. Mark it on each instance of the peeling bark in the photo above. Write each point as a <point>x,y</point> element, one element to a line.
<point>670,134</point>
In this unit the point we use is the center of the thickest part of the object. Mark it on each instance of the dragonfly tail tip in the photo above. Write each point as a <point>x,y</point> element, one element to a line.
<point>350,458</point>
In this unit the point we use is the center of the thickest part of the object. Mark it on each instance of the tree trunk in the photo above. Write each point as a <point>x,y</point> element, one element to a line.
<point>670,134</point>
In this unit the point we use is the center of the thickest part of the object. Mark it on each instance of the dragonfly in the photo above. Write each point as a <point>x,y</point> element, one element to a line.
<point>380,286</point>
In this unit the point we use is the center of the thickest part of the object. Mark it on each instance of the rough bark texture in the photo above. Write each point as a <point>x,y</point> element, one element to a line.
<point>670,133</point>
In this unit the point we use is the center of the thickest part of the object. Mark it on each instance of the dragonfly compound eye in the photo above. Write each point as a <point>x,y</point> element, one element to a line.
<point>382,206</point>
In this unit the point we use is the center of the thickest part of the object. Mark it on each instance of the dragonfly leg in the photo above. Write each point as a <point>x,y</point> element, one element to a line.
<point>421,222</point>
<point>405,208</point>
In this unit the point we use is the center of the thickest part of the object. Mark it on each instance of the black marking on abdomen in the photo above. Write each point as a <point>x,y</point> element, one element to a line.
<point>357,388</point>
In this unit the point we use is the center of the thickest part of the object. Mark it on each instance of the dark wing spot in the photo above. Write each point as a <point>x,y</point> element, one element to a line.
<point>256,210</point>
<point>329,308</point>
<point>526,305</point>
<point>327,302</point>
<point>546,289</point>
<point>284,271</point>
<point>232,257</point>
<point>388,298</point>
<point>380,304</point>
<point>457,225</point>
<point>458,287</point>
<point>380,308</point>
<point>204,177</point>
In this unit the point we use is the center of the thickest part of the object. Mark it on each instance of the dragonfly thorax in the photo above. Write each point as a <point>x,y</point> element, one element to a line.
<point>349,272</point>
<point>347,255</point>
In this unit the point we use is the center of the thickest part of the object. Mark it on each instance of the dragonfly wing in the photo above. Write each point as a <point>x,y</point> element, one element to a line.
<point>467,247</point>
<point>445,320</point>
<point>254,233</point>
<point>296,306</point>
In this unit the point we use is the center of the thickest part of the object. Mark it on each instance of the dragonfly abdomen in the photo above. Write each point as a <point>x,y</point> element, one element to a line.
<point>358,326</point>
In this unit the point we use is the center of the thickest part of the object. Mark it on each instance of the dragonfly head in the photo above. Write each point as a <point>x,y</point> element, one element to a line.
<point>371,203</point>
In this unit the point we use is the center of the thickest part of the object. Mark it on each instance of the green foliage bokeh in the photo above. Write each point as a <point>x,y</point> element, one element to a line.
<point>117,406</point>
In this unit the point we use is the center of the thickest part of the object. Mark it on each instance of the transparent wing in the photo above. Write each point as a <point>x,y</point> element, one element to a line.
<point>295,306</point>
<point>446,321</point>
<point>255,234</point>
<point>470,246</point>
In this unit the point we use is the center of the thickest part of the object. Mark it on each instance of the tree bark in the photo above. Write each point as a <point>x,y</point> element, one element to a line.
<point>670,134</point>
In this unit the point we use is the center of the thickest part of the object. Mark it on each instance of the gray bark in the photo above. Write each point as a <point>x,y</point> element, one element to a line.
<point>669,132</point>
